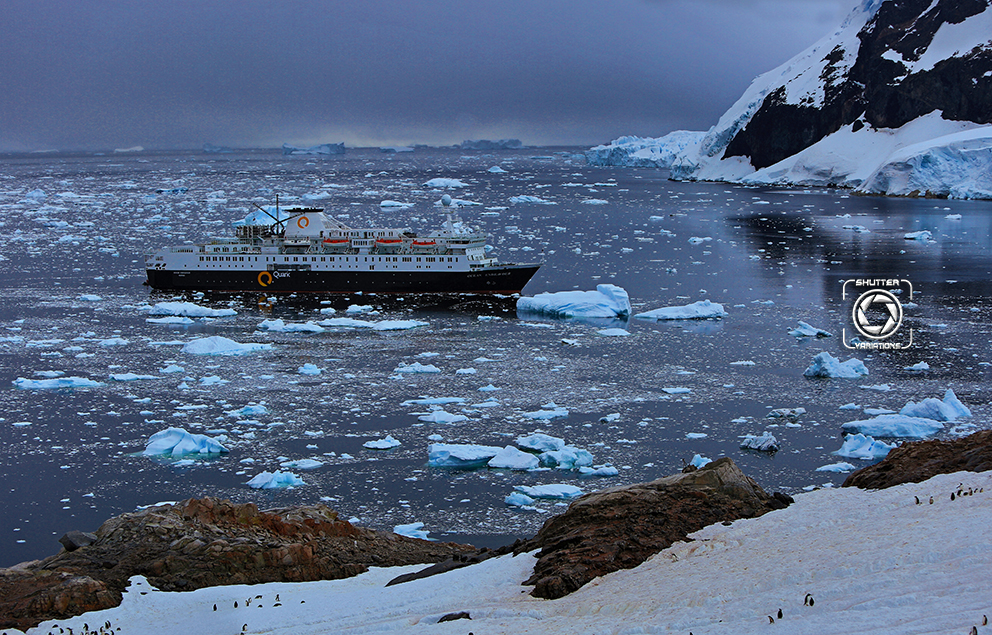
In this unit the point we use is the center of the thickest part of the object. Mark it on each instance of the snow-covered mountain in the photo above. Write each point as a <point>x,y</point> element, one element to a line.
<point>898,100</point>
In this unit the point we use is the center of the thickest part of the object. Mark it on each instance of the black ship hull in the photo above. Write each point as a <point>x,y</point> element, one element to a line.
<point>504,280</point>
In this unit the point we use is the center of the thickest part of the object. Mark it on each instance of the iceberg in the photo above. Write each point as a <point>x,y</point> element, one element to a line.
<point>309,369</point>
<point>766,442</point>
<point>279,326</point>
<point>217,345</point>
<point>460,456</point>
<point>860,446</point>
<point>540,442</point>
<point>840,467</point>
<point>322,149</point>
<point>275,480</point>
<point>600,471</point>
<point>547,412</point>
<point>644,152</point>
<point>131,377</point>
<point>59,382</point>
<point>698,461</point>
<point>826,365</point>
<point>382,444</point>
<point>519,499</point>
<point>176,442</point>
<point>442,416</point>
<point>950,409</point>
<point>416,367</point>
<point>171,319</point>
<point>510,458</point>
<point>527,198</point>
<point>567,458</point>
<point>895,425</point>
<point>302,464</point>
<point>607,301</point>
<point>702,310</point>
<point>397,325</point>
<point>557,491</point>
<point>806,330</point>
<point>445,183</point>
<point>412,530</point>
<point>189,309</point>
<point>923,235</point>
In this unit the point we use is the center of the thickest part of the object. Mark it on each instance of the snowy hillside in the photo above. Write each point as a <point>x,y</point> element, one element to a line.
<point>872,561</point>
<point>897,101</point>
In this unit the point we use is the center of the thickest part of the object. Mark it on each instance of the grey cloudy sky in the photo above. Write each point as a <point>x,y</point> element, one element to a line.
<point>252,73</point>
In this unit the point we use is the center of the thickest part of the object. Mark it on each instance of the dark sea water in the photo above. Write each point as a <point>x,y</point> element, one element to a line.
<point>71,458</point>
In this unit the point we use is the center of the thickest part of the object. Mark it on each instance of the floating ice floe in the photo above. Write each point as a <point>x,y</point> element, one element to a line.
<point>786,413</point>
<point>616,332</point>
<point>445,183</point>
<point>950,409</point>
<point>131,377</point>
<point>113,341</point>
<point>826,365</point>
<point>397,325</point>
<point>607,301</point>
<point>540,442</point>
<point>251,410</point>
<point>696,435</point>
<point>806,330</point>
<point>567,458</point>
<point>600,471</point>
<point>460,456</point>
<point>527,198</point>
<point>416,367</point>
<point>412,530</point>
<point>920,235</point>
<point>698,461</point>
<point>519,499</point>
<point>387,204</point>
<point>548,411</point>
<point>860,446</point>
<point>766,442</point>
<point>309,369</point>
<point>279,326</point>
<point>701,310</point>
<point>178,320</point>
<point>917,368</point>
<point>189,310</point>
<point>58,382</point>
<point>382,444</point>
<point>510,458</point>
<point>676,390</point>
<point>557,491</point>
<point>442,416</point>
<point>840,467</point>
<point>275,480</point>
<point>302,464</point>
<point>217,345</point>
<point>432,401</point>
<point>89,297</point>
<point>176,442</point>
<point>698,240</point>
<point>897,425</point>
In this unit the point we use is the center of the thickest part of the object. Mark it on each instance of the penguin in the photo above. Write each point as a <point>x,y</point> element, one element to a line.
<point>931,500</point>
<point>215,607</point>
<point>277,597</point>
<point>771,620</point>
<point>952,495</point>
<point>808,596</point>
<point>917,499</point>
<point>235,604</point>
<point>973,631</point>
<point>985,620</point>
<point>780,614</point>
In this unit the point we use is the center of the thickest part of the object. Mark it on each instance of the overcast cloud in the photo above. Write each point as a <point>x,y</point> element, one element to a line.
<point>252,73</point>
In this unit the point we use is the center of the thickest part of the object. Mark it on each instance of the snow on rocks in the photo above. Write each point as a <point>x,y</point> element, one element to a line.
<point>826,365</point>
<point>806,330</point>
<point>176,443</point>
<point>382,444</point>
<point>460,456</point>
<point>765,442</point>
<point>860,446</point>
<point>217,345</point>
<point>511,458</point>
<point>607,301</point>
<point>701,310</point>
<point>54,383</point>
<point>189,309</point>
<point>275,480</point>
<point>948,409</point>
<point>555,491</point>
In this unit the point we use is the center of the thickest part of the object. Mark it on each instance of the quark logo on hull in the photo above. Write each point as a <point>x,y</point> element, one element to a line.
<point>876,313</point>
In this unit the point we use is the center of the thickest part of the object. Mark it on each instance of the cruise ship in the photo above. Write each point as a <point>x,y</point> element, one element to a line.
<point>309,251</point>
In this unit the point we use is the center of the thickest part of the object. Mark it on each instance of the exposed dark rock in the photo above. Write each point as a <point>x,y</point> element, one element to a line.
<point>199,543</point>
<point>451,617</point>
<point>456,562</point>
<point>75,539</point>
<point>918,461</point>
<point>619,528</point>
<point>877,90</point>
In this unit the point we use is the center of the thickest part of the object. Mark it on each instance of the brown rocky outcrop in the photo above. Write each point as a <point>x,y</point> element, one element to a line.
<point>621,527</point>
<point>916,462</point>
<point>199,543</point>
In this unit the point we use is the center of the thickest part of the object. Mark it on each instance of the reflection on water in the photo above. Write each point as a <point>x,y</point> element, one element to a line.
<point>770,257</point>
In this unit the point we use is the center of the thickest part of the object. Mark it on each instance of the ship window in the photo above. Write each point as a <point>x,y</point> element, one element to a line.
<point>418,260</point>
<point>406,259</point>
<point>201,258</point>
